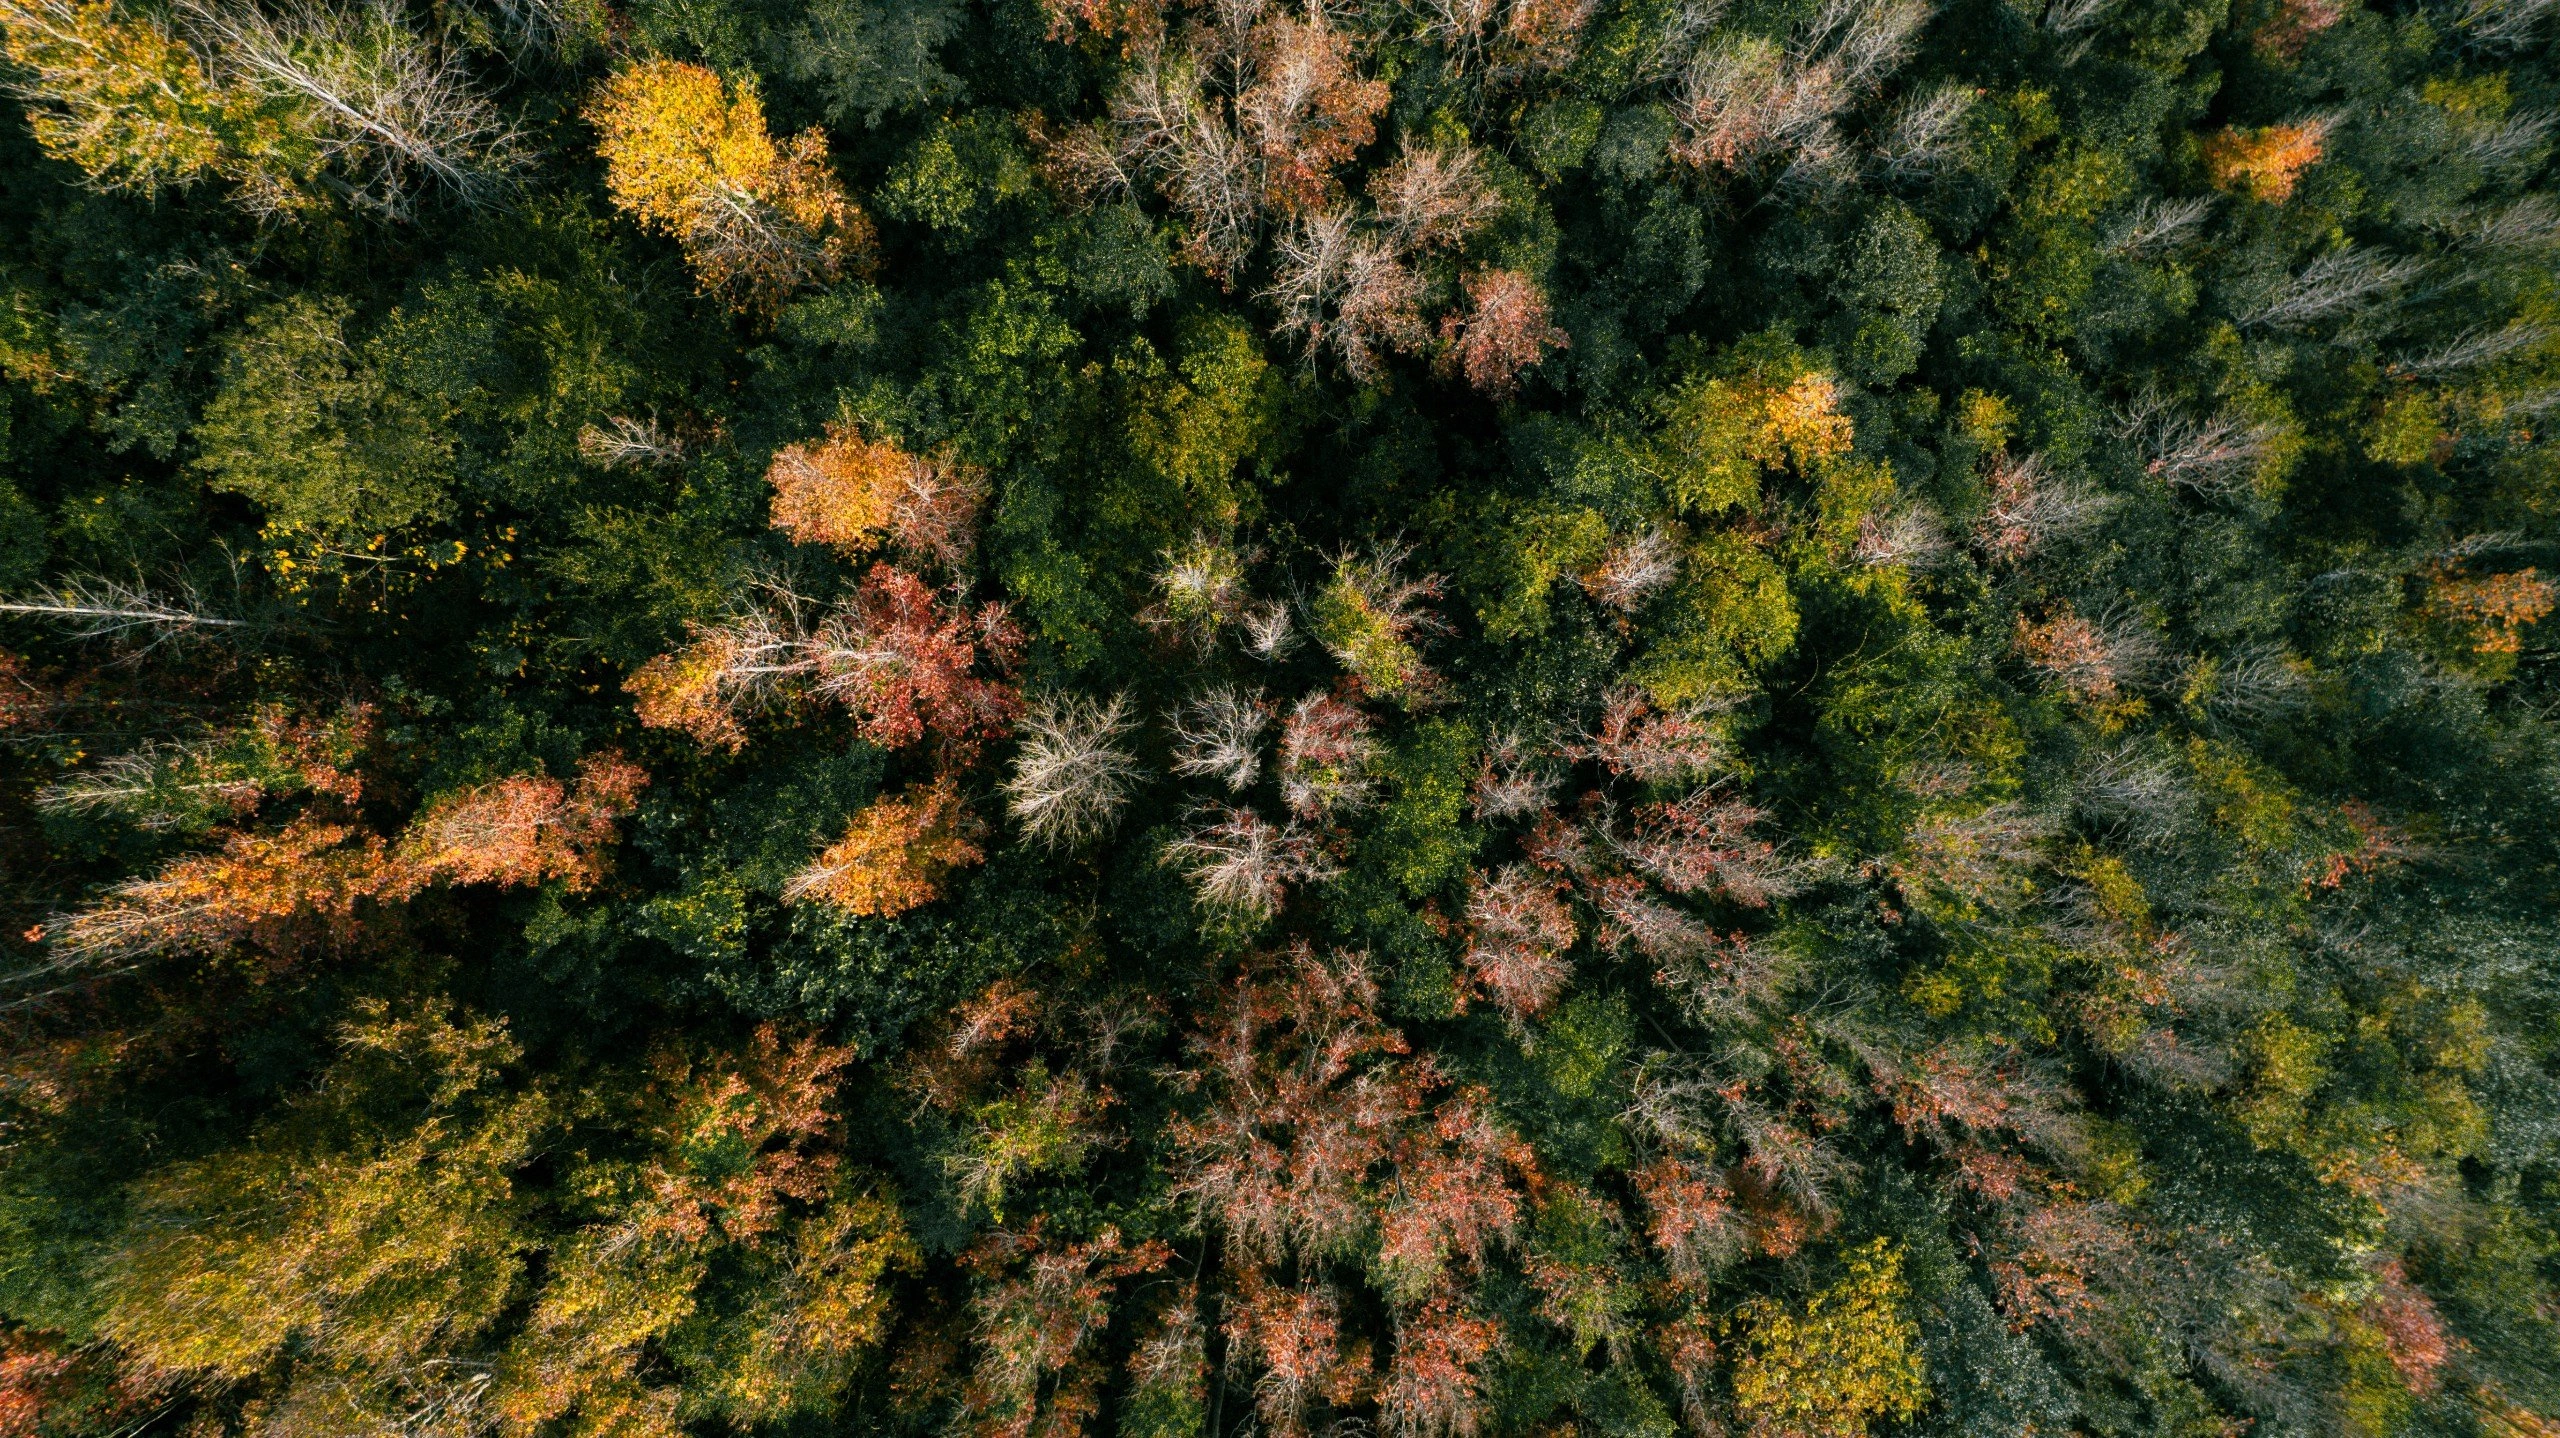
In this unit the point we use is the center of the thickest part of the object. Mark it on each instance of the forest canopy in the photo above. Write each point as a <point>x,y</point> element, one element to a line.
<point>1272,718</point>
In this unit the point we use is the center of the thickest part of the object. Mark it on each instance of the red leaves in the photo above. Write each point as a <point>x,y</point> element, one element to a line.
<point>2413,1333</point>
<point>1036,1311</point>
<point>1636,741</point>
<point>1296,1335</point>
<point>902,662</point>
<point>1518,930</point>
<point>1434,1386</point>
<point>902,658</point>
<point>1505,330</point>
<point>1690,1216</point>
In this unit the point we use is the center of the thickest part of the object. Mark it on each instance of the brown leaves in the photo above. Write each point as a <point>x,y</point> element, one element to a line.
<point>1503,331</point>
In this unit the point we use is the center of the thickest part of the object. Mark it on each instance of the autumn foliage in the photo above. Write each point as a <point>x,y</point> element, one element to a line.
<point>2264,163</point>
<point>893,856</point>
<point>687,154</point>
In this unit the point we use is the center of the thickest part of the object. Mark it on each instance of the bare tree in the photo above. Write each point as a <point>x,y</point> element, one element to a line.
<point>1925,131</point>
<point>1636,568</point>
<point>1869,39</point>
<point>2157,223</point>
<point>2502,24</point>
<point>1243,862</point>
<point>2530,223</point>
<point>2341,282</point>
<point>1512,784</point>
<point>1219,736</point>
<point>2475,348</point>
<point>2134,789</point>
<point>1072,776</point>
<point>2031,508</point>
<point>94,608</point>
<point>2500,144</point>
<point>1269,634</point>
<point>2070,17</point>
<point>622,442</point>
<point>2258,683</point>
<point>1909,534</point>
<point>1433,196</point>
<point>2217,457</point>
<point>395,107</point>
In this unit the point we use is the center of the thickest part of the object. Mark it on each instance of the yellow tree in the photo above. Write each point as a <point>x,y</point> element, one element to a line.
<point>893,856</point>
<point>126,100</point>
<point>688,155</point>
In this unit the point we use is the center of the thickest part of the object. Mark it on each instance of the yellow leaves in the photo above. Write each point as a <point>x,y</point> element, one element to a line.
<point>2264,163</point>
<point>841,492</point>
<point>1723,433</point>
<point>125,100</point>
<point>1849,1357</point>
<point>372,1248</point>
<point>688,156</point>
<point>2253,805</point>
<point>1803,422</point>
<point>893,857</point>
<point>673,136</point>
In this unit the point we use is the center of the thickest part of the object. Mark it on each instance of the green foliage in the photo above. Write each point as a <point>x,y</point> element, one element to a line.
<point>1803,721</point>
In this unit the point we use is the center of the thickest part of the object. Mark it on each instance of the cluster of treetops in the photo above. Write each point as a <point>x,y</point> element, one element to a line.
<point>1279,718</point>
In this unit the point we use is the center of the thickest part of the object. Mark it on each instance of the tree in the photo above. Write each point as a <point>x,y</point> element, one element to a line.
<point>316,431</point>
<point>129,102</point>
<point>526,829</point>
<point>2265,163</point>
<point>893,857</point>
<point>1071,777</point>
<point>1845,1360</point>
<point>688,156</point>
<point>1504,330</point>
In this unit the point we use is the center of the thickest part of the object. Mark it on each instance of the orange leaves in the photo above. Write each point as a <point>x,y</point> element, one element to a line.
<point>2073,651</point>
<point>1296,1335</point>
<point>309,878</point>
<point>1503,331</point>
<point>848,492</point>
<point>839,492</point>
<point>893,857</point>
<point>745,1134</point>
<point>1308,110</point>
<point>689,157</point>
<point>258,886</point>
<point>524,829</point>
<point>2264,163</point>
<point>2493,608</point>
